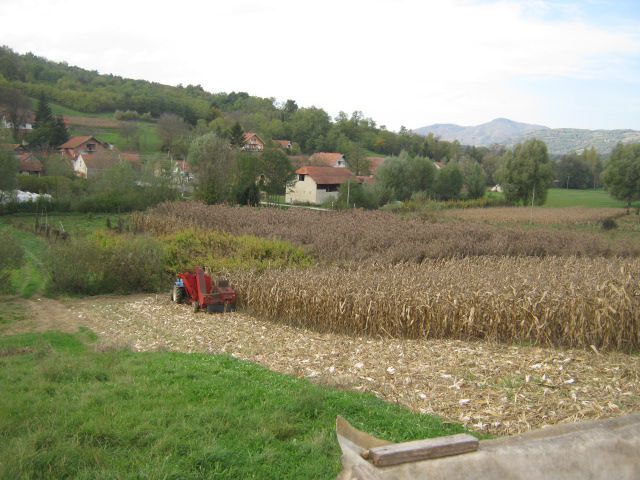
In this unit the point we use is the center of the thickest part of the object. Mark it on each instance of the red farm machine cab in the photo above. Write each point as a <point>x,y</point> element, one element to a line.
<point>198,289</point>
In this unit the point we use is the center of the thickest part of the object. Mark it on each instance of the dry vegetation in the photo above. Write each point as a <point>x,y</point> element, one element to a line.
<point>574,302</point>
<point>537,215</point>
<point>489,387</point>
<point>379,236</point>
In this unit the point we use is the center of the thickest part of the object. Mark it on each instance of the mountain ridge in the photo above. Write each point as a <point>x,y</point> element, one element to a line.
<point>504,131</point>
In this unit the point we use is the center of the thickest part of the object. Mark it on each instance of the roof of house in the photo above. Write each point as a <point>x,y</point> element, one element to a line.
<point>28,163</point>
<point>438,165</point>
<point>327,159</point>
<point>374,164</point>
<point>249,135</point>
<point>326,175</point>
<point>100,160</point>
<point>75,142</point>
<point>283,143</point>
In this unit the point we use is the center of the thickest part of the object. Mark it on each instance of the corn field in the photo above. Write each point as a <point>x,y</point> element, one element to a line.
<point>380,236</point>
<point>570,301</point>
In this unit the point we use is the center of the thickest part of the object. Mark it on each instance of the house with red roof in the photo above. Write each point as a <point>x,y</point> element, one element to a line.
<point>82,144</point>
<point>328,159</point>
<point>30,165</point>
<point>252,142</point>
<point>316,185</point>
<point>284,144</point>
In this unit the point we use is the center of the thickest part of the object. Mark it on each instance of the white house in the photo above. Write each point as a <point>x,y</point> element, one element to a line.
<point>316,185</point>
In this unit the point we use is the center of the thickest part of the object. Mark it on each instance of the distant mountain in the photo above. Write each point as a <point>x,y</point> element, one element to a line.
<point>565,140</point>
<point>500,130</point>
<point>507,132</point>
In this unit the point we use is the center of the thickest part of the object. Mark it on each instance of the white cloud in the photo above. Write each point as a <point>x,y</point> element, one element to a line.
<point>405,62</point>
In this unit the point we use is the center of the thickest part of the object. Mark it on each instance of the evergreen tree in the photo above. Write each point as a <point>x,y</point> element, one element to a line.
<point>236,135</point>
<point>43,113</point>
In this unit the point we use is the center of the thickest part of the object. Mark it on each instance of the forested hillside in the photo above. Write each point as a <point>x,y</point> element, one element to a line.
<point>312,129</point>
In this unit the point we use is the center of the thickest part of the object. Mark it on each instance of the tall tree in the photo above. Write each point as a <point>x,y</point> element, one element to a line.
<point>573,171</point>
<point>8,170</point>
<point>171,129</point>
<point>592,159</point>
<point>43,112</point>
<point>475,181</point>
<point>526,173</point>
<point>622,175</point>
<point>277,170</point>
<point>214,162</point>
<point>16,107</point>
<point>236,135</point>
<point>449,182</point>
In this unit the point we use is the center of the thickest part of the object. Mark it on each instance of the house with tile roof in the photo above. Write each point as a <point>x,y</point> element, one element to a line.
<point>252,142</point>
<point>93,163</point>
<point>284,144</point>
<point>82,144</point>
<point>316,185</point>
<point>328,159</point>
<point>29,165</point>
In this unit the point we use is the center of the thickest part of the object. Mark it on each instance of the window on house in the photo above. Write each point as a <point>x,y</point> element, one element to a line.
<point>91,147</point>
<point>328,187</point>
<point>301,177</point>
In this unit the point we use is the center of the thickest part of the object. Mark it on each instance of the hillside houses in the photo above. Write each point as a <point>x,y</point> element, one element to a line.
<point>89,156</point>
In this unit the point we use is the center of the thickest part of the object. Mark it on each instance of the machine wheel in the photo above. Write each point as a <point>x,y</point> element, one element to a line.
<point>196,306</point>
<point>177,294</point>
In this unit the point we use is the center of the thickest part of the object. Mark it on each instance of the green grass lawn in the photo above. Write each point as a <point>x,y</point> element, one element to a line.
<point>68,411</point>
<point>149,140</point>
<point>30,278</point>
<point>562,197</point>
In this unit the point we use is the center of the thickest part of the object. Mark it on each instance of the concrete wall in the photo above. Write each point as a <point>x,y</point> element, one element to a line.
<point>307,191</point>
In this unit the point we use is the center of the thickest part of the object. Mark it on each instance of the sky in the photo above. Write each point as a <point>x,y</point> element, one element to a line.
<point>573,64</point>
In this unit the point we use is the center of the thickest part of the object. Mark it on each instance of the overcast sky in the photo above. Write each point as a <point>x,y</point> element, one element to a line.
<point>401,62</point>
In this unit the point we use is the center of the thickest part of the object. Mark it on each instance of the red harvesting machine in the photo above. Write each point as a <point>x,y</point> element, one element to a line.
<point>198,289</point>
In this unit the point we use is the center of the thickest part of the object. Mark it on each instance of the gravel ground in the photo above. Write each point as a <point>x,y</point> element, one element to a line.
<point>498,389</point>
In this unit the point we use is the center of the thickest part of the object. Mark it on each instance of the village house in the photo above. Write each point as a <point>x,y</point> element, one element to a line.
<point>30,165</point>
<point>284,144</point>
<point>25,127</point>
<point>328,159</point>
<point>82,144</point>
<point>316,185</point>
<point>252,142</point>
<point>92,164</point>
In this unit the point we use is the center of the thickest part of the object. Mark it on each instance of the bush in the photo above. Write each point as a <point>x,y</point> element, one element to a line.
<point>223,252</point>
<point>107,263</point>
<point>609,224</point>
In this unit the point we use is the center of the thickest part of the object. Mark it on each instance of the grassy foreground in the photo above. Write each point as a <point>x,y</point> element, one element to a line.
<point>69,411</point>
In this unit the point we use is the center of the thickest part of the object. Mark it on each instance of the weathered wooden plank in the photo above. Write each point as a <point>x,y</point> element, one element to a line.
<point>415,451</point>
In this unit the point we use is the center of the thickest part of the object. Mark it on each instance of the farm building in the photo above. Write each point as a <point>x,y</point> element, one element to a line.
<point>316,185</point>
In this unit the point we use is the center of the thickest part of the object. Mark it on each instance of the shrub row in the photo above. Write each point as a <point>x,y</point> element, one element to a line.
<point>106,263</point>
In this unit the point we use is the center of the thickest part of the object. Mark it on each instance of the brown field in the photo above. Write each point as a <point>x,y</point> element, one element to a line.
<point>382,237</point>
<point>536,215</point>
<point>570,302</point>
<point>97,122</point>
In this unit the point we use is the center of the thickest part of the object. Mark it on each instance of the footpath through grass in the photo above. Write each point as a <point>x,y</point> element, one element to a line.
<point>68,411</point>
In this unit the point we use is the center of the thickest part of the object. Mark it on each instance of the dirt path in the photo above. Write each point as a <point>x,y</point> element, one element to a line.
<point>493,388</point>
